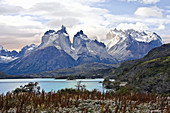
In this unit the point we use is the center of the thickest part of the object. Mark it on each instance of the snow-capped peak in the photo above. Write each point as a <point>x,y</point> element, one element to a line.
<point>113,37</point>
<point>130,44</point>
<point>81,35</point>
<point>63,30</point>
<point>49,32</point>
<point>80,39</point>
<point>143,36</point>
<point>32,47</point>
<point>117,36</point>
<point>27,50</point>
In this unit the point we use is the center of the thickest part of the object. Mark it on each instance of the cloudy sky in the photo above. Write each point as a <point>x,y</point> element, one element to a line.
<point>23,22</point>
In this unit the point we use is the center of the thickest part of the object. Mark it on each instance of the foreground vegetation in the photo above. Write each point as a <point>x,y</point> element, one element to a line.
<point>29,99</point>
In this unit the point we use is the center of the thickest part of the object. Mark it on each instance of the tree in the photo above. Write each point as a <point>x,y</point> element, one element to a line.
<point>30,87</point>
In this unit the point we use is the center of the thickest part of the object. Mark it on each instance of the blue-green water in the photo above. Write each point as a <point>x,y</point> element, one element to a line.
<point>49,84</point>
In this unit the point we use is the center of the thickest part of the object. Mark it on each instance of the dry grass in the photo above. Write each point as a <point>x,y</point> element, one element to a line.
<point>32,102</point>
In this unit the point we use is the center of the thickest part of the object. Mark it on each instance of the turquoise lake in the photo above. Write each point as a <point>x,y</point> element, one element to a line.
<point>49,84</point>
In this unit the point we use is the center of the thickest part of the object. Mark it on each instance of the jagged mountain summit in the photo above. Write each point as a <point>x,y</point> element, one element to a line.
<point>27,50</point>
<point>59,39</point>
<point>130,44</point>
<point>7,56</point>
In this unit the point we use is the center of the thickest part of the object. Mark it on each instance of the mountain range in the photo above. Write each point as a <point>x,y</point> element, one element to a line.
<point>56,50</point>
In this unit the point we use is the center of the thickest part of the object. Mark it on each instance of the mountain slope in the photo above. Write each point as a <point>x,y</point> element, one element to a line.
<point>3,75</point>
<point>149,74</point>
<point>87,70</point>
<point>49,58</point>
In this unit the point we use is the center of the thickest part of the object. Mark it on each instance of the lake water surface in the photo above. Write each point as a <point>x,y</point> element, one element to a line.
<point>49,84</point>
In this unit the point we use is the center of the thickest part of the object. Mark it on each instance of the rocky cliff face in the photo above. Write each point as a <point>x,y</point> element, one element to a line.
<point>59,39</point>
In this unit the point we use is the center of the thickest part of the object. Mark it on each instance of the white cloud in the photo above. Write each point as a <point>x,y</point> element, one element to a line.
<point>29,3</point>
<point>75,16</point>
<point>161,27</point>
<point>19,20</point>
<point>150,1</point>
<point>26,20</point>
<point>166,38</point>
<point>148,12</point>
<point>168,16</point>
<point>144,1</point>
<point>136,26</point>
<point>37,16</point>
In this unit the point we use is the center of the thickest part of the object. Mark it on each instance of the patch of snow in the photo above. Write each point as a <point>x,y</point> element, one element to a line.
<point>65,34</point>
<point>30,49</point>
<point>6,59</point>
<point>84,37</point>
<point>72,47</point>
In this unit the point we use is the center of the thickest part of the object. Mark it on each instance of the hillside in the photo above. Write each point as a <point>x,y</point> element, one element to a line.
<point>149,74</point>
<point>2,75</point>
<point>88,70</point>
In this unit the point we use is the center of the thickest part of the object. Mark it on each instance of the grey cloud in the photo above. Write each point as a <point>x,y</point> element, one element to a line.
<point>7,9</point>
<point>6,30</point>
<point>12,43</point>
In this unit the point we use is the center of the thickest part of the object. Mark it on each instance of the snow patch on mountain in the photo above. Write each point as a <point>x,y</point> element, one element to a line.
<point>118,36</point>
<point>143,36</point>
<point>27,50</point>
<point>7,56</point>
<point>7,59</point>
